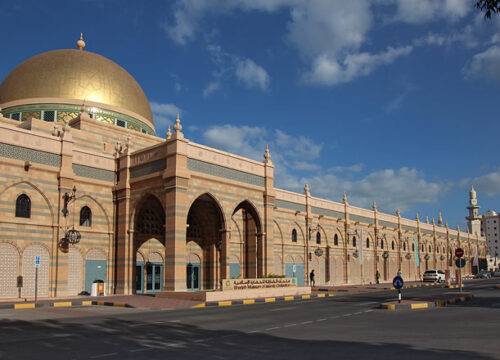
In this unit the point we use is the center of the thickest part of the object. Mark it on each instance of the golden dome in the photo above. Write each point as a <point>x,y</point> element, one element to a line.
<point>75,74</point>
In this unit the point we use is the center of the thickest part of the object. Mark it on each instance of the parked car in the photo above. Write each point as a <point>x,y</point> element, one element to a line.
<point>434,276</point>
<point>483,274</point>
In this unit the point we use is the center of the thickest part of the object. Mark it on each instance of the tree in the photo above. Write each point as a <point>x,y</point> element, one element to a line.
<point>490,6</point>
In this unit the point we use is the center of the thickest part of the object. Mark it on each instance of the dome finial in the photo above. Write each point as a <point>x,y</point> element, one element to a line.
<point>169,133</point>
<point>80,43</point>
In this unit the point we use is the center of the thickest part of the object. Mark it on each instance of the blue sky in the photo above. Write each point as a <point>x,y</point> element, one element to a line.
<point>388,100</point>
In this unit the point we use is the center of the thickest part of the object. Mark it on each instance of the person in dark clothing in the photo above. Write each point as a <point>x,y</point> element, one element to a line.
<point>377,276</point>
<point>311,277</point>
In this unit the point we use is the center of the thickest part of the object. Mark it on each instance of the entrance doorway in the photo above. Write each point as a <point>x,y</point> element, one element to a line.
<point>193,276</point>
<point>154,273</point>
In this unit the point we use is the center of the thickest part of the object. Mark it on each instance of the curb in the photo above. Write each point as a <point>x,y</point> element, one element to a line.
<point>260,300</point>
<point>426,305</point>
<point>47,304</point>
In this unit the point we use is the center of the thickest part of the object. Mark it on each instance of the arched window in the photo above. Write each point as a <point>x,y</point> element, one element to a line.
<point>404,246</point>
<point>430,248</point>
<point>444,249</point>
<point>392,245</point>
<point>412,247</point>
<point>367,243</point>
<point>437,249</point>
<point>85,216</point>
<point>318,238</point>
<point>336,240</point>
<point>354,241</point>
<point>423,248</point>
<point>294,235</point>
<point>23,206</point>
<point>381,244</point>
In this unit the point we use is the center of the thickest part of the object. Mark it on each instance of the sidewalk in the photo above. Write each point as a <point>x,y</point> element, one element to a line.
<point>372,287</point>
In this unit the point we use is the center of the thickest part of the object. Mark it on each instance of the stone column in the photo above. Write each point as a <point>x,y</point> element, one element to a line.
<point>124,281</point>
<point>267,247</point>
<point>224,237</point>
<point>176,180</point>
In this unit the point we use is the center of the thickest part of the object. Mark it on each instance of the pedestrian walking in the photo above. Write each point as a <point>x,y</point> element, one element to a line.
<point>400,274</point>
<point>377,276</point>
<point>311,277</point>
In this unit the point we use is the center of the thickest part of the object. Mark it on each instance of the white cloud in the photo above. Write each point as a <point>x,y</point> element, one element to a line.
<point>485,65</point>
<point>328,33</point>
<point>402,188</point>
<point>466,37</point>
<point>348,169</point>
<point>251,74</point>
<point>242,140</point>
<point>212,87</point>
<point>488,184</point>
<point>328,71</point>
<point>420,11</point>
<point>164,114</point>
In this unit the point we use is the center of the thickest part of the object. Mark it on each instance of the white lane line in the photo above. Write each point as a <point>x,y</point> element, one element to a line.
<point>253,331</point>
<point>367,303</point>
<point>369,310</point>
<point>284,308</point>
<point>103,355</point>
<point>141,349</point>
<point>272,328</point>
<point>229,335</point>
<point>306,322</point>
<point>289,325</point>
<point>321,320</point>
<point>174,321</point>
<point>347,315</point>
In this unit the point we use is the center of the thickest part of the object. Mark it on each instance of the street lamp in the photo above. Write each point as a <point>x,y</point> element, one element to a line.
<point>71,236</point>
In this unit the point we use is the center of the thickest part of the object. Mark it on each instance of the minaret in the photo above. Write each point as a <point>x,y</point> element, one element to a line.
<point>473,220</point>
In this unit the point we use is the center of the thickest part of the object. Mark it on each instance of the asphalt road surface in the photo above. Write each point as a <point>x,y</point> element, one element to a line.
<point>347,326</point>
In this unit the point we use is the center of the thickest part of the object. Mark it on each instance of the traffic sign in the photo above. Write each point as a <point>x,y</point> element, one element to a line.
<point>398,282</point>
<point>459,252</point>
<point>460,263</point>
<point>37,261</point>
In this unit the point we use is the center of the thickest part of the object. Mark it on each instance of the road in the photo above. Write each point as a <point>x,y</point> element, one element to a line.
<point>347,326</point>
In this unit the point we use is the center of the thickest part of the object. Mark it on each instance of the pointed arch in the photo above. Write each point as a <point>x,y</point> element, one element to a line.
<point>280,232</point>
<point>99,205</point>
<point>207,196</point>
<point>37,189</point>
<point>248,206</point>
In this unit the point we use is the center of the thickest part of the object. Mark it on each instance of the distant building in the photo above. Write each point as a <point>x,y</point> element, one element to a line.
<point>491,230</point>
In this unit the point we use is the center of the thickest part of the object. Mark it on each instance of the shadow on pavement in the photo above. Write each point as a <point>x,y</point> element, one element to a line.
<point>121,339</point>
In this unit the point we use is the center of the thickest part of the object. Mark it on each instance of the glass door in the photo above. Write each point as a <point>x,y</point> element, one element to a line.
<point>154,277</point>
<point>193,276</point>
<point>139,278</point>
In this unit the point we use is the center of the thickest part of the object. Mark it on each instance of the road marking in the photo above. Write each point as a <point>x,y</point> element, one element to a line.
<point>141,349</point>
<point>368,303</point>
<point>306,322</point>
<point>347,315</point>
<point>321,320</point>
<point>369,310</point>
<point>103,355</point>
<point>253,331</point>
<point>284,308</point>
<point>290,325</point>
<point>272,328</point>
<point>357,313</point>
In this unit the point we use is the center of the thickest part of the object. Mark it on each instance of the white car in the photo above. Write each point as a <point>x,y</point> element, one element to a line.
<point>434,276</point>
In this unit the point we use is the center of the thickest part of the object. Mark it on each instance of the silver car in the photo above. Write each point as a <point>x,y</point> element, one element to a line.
<point>434,276</point>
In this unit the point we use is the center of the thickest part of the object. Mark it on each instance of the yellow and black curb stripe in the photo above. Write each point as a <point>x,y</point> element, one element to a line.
<point>427,304</point>
<point>260,300</point>
<point>57,304</point>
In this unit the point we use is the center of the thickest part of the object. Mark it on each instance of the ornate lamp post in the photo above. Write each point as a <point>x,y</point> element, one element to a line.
<point>309,255</point>
<point>71,236</point>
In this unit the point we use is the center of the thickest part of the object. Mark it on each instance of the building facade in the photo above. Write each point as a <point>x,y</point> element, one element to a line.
<point>87,187</point>
<point>491,231</point>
